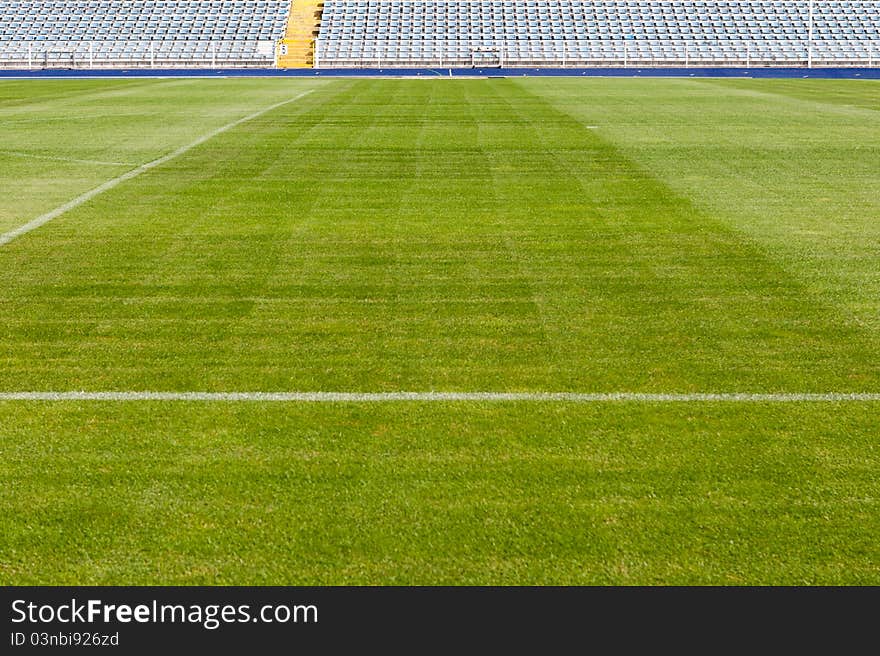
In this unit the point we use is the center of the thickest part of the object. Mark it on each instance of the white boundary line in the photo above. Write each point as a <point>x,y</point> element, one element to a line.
<point>110,184</point>
<point>482,397</point>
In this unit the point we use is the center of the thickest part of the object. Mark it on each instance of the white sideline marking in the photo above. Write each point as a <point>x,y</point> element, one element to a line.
<point>487,397</point>
<point>96,162</point>
<point>110,184</point>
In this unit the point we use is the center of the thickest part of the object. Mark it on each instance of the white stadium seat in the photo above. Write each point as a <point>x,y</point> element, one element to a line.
<point>611,32</point>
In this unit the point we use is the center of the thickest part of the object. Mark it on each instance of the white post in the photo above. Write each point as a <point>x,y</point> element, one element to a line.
<point>213,53</point>
<point>810,38</point>
<point>317,58</point>
<point>563,54</point>
<point>686,58</point>
<point>624,54</point>
<point>30,56</point>
<point>152,56</point>
<point>748,54</point>
<point>91,56</point>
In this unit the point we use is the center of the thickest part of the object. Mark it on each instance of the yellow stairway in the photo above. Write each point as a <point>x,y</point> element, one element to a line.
<point>297,48</point>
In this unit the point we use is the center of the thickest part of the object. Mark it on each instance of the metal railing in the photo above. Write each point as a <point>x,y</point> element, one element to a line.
<point>414,53</point>
<point>596,53</point>
<point>135,54</point>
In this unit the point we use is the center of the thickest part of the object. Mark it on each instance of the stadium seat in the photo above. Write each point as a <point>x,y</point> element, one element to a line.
<point>573,32</point>
<point>158,32</point>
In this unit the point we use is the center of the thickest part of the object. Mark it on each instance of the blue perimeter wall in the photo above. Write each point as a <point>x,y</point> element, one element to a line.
<point>770,72</point>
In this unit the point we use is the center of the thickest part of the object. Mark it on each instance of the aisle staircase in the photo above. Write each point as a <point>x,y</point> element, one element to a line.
<point>297,48</point>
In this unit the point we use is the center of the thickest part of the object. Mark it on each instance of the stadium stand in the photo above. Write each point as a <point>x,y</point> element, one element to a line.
<point>78,33</point>
<point>604,32</point>
<point>414,33</point>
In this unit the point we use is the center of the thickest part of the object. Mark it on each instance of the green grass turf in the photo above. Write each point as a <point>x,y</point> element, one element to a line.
<point>455,235</point>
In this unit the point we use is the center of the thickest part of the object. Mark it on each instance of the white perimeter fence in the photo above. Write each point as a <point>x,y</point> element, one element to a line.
<point>409,53</point>
<point>596,52</point>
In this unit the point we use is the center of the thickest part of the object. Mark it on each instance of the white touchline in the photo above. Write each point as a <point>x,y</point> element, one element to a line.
<point>482,397</point>
<point>110,184</point>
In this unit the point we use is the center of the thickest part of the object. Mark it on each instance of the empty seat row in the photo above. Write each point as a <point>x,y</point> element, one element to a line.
<point>110,32</point>
<point>122,20</point>
<point>367,32</point>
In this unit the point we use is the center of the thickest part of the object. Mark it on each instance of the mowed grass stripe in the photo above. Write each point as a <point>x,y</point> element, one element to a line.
<point>575,270</point>
<point>673,254</point>
<point>44,123</point>
<point>43,219</point>
<point>788,165</point>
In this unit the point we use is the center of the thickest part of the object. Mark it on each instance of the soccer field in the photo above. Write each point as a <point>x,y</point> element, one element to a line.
<point>676,283</point>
